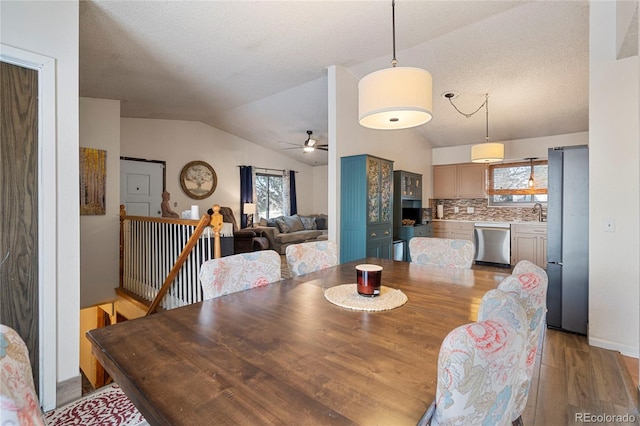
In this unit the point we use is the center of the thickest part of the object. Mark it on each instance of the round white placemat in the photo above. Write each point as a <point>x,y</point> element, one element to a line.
<point>346,296</point>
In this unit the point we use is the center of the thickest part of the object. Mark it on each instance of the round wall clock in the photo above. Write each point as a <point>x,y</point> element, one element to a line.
<point>198,180</point>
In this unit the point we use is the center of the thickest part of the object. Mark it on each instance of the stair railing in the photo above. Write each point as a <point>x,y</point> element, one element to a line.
<point>160,258</point>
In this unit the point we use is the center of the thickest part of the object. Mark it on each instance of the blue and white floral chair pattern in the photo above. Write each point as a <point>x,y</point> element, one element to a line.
<point>18,399</point>
<point>239,272</point>
<point>529,287</point>
<point>309,257</point>
<point>478,366</point>
<point>442,252</point>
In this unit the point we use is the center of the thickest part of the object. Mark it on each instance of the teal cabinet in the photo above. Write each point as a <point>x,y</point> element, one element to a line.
<point>366,208</point>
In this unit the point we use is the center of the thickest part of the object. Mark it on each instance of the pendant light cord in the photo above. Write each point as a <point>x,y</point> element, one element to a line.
<point>394,61</point>
<point>486,104</point>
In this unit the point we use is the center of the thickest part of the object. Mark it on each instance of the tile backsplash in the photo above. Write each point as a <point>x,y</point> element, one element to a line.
<point>482,211</point>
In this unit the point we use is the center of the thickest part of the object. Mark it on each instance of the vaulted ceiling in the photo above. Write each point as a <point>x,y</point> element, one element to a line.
<point>257,69</point>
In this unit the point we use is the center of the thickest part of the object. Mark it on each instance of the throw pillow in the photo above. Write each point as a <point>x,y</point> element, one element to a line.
<point>263,221</point>
<point>282,226</point>
<point>321,222</point>
<point>272,222</point>
<point>294,223</point>
<point>309,222</point>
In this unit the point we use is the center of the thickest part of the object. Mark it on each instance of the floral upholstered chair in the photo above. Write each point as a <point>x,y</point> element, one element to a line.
<point>478,367</point>
<point>19,403</point>
<point>530,289</point>
<point>239,272</point>
<point>526,266</point>
<point>18,398</point>
<point>309,257</point>
<point>443,252</point>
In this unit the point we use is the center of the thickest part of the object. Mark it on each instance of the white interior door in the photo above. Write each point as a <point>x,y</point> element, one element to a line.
<point>141,187</point>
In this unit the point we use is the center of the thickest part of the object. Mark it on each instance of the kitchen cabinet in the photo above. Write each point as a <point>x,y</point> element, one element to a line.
<point>366,208</point>
<point>529,242</point>
<point>407,185</point>
<point>453,230</point>
<point>466,180</point>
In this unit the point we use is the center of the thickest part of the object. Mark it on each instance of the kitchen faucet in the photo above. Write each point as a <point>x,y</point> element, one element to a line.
<point>538,206</point>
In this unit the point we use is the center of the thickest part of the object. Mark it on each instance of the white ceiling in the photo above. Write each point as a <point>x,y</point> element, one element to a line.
<point>257,69</point>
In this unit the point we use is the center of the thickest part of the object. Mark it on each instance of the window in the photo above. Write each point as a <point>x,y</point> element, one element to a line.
<point>270,195</point>
<point>509,184</point>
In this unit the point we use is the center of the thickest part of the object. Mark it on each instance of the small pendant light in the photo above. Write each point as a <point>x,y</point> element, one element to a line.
<point>531,182</point>
<point>487,152</point>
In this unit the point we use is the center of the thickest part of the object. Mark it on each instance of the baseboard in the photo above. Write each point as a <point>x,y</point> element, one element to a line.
<point>68,390</point>
<point>631,351</point>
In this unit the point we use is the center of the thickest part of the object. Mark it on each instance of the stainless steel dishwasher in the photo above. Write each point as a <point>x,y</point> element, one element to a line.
<point>493,243</point>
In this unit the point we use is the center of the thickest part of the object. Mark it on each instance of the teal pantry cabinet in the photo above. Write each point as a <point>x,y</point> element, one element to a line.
<point>366,208</point>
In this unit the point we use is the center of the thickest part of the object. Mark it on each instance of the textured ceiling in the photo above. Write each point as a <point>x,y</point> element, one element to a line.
<point>258,69</point>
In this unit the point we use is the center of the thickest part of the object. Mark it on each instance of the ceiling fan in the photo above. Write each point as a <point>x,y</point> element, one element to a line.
<point>309,145</point>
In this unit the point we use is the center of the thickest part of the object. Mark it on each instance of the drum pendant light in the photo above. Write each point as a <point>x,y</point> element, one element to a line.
<point>396,97</point>
<point>485,152</point>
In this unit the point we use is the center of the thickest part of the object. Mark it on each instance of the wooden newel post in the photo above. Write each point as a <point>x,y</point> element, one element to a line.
<point>216,225</point>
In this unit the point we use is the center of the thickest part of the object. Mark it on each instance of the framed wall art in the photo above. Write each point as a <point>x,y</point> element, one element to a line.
<point>198,180</point>
<point>93,178</point>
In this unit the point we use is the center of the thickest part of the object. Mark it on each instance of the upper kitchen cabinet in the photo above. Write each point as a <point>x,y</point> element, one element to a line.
<point>407,185</point>
<point>466,180</point>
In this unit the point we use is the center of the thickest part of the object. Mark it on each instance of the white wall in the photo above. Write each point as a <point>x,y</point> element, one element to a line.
<point>514,150</point>
<point>51,29</point>
<point>614,160</point>
<point>320,189</point>
<point>99,234</point>
<point>408,150</point>
<point>179,142</point>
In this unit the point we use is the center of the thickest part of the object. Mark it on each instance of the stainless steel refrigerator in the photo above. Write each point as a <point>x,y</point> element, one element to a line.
<point>568,239</point>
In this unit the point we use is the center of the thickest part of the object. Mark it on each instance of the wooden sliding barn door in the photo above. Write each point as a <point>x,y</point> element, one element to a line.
<point>19,205</point>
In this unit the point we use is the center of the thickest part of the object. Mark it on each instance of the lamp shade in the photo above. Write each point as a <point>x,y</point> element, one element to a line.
<point>395,98</point>
<point>487,153</point>
<point>249,208</point>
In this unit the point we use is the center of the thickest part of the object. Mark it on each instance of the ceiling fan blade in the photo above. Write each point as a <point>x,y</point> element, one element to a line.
<point>294,144</point>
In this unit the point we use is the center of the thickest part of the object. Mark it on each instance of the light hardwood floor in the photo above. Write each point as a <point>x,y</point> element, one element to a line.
<point>573,379</point>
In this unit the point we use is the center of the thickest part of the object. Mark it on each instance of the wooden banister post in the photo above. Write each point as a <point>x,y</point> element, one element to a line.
<point>216,225</point>
<point>123,213</point>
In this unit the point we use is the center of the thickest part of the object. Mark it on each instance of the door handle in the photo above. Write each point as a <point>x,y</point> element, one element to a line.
<point>556,263</point>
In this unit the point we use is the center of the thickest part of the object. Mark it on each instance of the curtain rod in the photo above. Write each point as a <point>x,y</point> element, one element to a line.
<point>267,168</point>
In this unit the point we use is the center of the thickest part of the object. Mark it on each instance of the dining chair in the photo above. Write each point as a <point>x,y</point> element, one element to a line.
<point>312,256</point>
<point>19,403</point>
<point>239,272</point>
<point>478,367</point>
<point>443,252</point>
<point>530,289</point>
<point>526,266</point>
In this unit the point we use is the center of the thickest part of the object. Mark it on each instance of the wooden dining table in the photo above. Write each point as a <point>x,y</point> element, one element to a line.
<point>283,354</point>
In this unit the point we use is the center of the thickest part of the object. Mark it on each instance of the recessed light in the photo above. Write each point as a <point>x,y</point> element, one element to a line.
<point>450,95</point>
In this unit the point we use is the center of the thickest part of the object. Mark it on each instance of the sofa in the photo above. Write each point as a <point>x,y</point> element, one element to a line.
<point>284,231</point>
